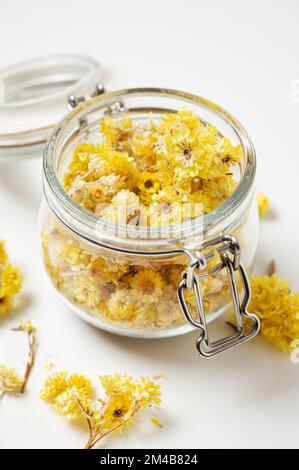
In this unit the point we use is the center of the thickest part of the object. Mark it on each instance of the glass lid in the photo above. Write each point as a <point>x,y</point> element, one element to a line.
<point>34,97</point>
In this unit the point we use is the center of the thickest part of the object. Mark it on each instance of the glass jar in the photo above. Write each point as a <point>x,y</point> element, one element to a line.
<point>150,282</point>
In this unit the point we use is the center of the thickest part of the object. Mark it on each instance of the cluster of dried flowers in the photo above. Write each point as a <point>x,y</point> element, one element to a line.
<point>10,380</point>
<point>11,281</point>
<point>277,308</point>
<point>178,160</point>
<point>73,396</point>
<point>149,172</point>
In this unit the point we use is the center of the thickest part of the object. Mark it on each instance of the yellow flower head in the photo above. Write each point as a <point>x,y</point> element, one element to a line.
<point>10,381</point>
<point>117,409</point>
<point>85,290</point>
<point>107,269</point>
<point>147,282</point>
<point>11,280</point>
<point>277,308</point>
<point>54,385</point>
<point>119,308</point>
<point>80,382</point>
<point>68,403</point>
<point>27,326</point>
<point>124,208</point>
<point>72,255</point>
<point>149,184</point>
<point>79,163</point>
<point>66,392</point>
<point>117,384</point>
<point>148,392</point>
<point>117,133</point>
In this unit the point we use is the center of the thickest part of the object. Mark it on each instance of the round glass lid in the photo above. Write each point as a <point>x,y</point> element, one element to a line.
<point>34,97</point>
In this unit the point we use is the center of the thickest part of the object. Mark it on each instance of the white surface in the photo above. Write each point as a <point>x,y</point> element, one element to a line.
<point>243,55</point>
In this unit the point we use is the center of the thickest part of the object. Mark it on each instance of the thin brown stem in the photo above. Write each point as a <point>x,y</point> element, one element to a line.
<point>88,416</point>
<point>30,362</point>
<point>271,268</point>
<point>97,439</point>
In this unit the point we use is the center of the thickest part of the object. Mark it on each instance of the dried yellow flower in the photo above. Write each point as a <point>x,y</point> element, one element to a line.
<point>26,326</point>
<point>11,281</point>
<point>262,203</point>
<point>10,381</point>
<point>277,308</point>
<point>64,390</point>
<point>54,385</point>
<point>148,391</point>
<point>72,396</point>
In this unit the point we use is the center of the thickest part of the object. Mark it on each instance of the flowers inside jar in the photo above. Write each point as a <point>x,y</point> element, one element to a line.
<point>155,174</point>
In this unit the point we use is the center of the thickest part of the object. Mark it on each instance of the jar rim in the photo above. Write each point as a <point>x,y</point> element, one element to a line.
<point>94,229</point>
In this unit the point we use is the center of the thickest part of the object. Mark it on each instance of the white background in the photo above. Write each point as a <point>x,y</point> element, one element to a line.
<point>244,56</point>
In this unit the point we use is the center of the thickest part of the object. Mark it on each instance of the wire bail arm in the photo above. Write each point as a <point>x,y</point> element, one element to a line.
<point>229,249</point>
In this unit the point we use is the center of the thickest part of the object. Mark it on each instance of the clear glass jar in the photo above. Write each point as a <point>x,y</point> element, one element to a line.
<point>89,259</point>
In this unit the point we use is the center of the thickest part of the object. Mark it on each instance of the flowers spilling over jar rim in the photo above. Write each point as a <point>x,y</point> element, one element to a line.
<point>153,174</point>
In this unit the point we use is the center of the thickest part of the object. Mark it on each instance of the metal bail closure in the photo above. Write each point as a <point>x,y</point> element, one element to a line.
<point>117,107</point>
<point>229,249</point>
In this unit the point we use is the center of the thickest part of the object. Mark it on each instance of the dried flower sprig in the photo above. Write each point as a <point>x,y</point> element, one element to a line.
<point>11,281</point>
<point>10,380</point>
<point>71,396</point>
<point>30,330</point>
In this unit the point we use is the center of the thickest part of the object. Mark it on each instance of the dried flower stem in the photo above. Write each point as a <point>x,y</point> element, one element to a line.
<point>96,438</point>
<point>271,268</point>
<point>30,362</point>
<point>88,417</point>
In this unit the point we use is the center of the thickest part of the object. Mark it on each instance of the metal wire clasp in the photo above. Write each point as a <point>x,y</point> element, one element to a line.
<point>229,250</point>
<point>116,107</point>
<point>73,100</point>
